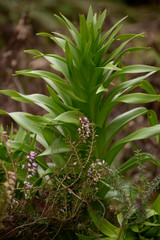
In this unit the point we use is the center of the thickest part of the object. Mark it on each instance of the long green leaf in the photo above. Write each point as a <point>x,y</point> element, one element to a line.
<point>128,36</point>
<point>41,100</point>
<point>90,15</point>
<point>66,39</point>
<point>104,226</point>
<point>105,36</point>
<point>100,20</point>
<point>131,69</point>
<point>137,135</point>
<point>134,162</point>
<point>34,52</point>
<point>147,87</point>
<point>69,117</point>
<point>28,124</point>
<point>116,125</point>
<point>54,81</point>
<point>136,98</point>
<point>115,52</point>
<point>74,32</point>
<point>129,50</point>
<point>43,121</point>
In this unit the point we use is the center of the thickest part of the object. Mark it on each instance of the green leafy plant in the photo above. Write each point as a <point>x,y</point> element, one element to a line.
<point>89,68</point>
<point>76,131</point>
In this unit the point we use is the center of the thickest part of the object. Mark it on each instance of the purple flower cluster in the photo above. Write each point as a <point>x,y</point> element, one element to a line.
<point>94,172</point>
<point>100,163</point>
<point>31,166</point>
<point>84,130</point>
<point>31,170</point>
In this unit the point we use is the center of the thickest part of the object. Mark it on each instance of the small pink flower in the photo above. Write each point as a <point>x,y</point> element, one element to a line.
<point>23,166</point>
<point>85,119</point>
<point>34,164</point>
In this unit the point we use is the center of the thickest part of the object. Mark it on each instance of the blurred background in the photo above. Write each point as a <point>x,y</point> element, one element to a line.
<point>20,20</point>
